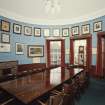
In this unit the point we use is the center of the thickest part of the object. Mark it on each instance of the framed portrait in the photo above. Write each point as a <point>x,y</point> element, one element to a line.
<point>97,26</point>
<point>35,50</point>
<point>46,32</point>
<point>5,38</point>
<point>4,47</point>
<point>81,49</point>
<point>75,30</point>
<point>17,28</point>
<point>19,48</point>
<point>86,29</point>
<point>27,30</point>
<point>65,32</point>
<point>37,32</point>
<point>5,26</point>
<point>56,32</point>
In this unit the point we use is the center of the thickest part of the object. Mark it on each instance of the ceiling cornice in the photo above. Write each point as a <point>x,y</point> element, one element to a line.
<point>20,18</point>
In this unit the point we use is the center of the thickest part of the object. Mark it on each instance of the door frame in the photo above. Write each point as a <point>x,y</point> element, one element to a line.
<point>99,71</point>
<point>48,58</point>
<point>88,39</point>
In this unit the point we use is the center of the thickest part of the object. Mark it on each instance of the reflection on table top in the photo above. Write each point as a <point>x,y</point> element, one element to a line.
<point>32,86</point>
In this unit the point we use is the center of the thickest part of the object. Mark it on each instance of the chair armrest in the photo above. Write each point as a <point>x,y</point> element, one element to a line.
<point>41,102</point>
<point>6,102</point>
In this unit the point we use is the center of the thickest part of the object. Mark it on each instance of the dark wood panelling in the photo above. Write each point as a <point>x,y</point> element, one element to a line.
<point>7,66</point>
<point>32,67</point>
<point>27,67</point>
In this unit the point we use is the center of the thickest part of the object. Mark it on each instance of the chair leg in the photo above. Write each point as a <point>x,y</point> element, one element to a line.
<point>41,103</point>
<point>6,102</point>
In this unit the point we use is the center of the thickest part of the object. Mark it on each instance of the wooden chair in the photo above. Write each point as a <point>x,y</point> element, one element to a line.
<point>5,97</point>
<point>7,101</point>
<point>83,81</point>
<point>42,103</point>
<point>76,88</point>
<point>55,98</point>
<point>67,94</point>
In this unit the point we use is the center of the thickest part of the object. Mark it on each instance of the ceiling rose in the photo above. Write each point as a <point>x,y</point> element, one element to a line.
<point>52,6</point>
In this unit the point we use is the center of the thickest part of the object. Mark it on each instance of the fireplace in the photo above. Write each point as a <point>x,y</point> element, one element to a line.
<point>8,68</point>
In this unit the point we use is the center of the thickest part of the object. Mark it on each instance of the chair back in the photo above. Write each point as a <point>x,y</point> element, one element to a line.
<point>56,99</point>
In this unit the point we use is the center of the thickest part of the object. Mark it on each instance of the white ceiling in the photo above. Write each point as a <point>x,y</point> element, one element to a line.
<point>34,9</point>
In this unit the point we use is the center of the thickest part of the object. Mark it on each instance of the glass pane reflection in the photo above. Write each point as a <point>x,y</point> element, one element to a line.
<point>55,76</point>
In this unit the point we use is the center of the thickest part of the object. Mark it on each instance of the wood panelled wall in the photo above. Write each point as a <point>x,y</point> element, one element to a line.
<point>26,67</point>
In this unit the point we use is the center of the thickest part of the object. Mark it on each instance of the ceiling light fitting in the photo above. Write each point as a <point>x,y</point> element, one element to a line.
<point>52,6</point>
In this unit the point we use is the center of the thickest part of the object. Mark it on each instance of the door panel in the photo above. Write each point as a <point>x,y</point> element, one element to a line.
<point>55,52</point>
<point>103,56</point>
<point>80,56</point>
<point>87,50</point>
<point>100,65</point>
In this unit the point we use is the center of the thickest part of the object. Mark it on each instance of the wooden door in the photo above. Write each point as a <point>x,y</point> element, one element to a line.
<point>103,55</point>
<point>100,66</point>
<point>88,39</point>
<point>62,52</point>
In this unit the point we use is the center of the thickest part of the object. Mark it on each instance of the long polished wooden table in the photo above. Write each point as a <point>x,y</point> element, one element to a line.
<point>30,87</point>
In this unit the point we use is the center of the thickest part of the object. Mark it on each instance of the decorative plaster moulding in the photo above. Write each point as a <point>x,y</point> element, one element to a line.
<point>12,15</point>
<point>52,38</point>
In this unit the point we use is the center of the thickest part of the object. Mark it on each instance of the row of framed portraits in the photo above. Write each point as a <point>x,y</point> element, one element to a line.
<point>85,29</point>
<point>17,29</point>
<point>32,50</point>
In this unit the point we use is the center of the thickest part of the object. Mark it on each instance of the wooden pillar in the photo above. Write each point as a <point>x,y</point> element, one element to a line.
<point>62,53</point>
<point>99,57</point>
<point>48,53</point>
<point>71,51</point>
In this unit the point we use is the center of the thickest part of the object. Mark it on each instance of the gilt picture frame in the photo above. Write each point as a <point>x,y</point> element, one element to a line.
<point>56,32</point>
<point>5,38</point>
<point>37,32</point>
<point>85,29</point>
<point>97,26</point>
<point>46,32</point>
<point>35,50</point>
<point>5,26</point>
<point>65,32</point>
<point>75,30</point>
<point>19,48</point>
<point>5,48</point>
<point>27,30</point>
<point>17,29</point>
